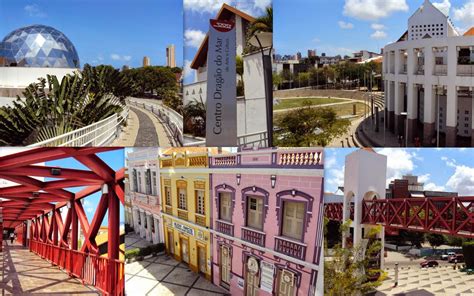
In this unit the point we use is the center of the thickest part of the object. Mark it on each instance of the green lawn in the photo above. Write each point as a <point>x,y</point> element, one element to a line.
<point>294,103</point>
<point>341,110</point>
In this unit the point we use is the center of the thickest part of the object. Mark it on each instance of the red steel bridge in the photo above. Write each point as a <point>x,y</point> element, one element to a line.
<point>40,195</point>
<point>442,215</point>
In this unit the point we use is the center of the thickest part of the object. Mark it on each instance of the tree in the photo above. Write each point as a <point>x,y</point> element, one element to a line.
<point>468,251</point>
<point>349,271</point>
<point>414,237</point>
<point>277,80</point>
<point>239,66</point>
<point>452,240</point>
<point>51,108</point>
<point>194,117</point>
<point>308,126</point>
<point>435,240</point>
<point>261,24</point>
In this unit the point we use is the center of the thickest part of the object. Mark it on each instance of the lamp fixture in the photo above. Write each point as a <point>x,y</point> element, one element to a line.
<point>273,179</point>
<point>238,179</point>
<point>105,189</point>
<point>55,171</point>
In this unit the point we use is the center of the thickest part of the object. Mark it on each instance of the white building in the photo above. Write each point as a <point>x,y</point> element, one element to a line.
<point>250,107</point>
<point>143,196</point>
<point>429,78</point>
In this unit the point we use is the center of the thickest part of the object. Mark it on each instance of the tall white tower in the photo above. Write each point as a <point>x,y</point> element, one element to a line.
<point>365,177</point>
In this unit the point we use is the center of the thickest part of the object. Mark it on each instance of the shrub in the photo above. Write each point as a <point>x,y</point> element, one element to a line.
<point>132,253</point>
<point>468,251</point>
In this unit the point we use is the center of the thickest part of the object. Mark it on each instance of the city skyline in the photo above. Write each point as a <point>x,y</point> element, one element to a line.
<point>457,174</point>
<point>353,28</point>
<point>111,33</point>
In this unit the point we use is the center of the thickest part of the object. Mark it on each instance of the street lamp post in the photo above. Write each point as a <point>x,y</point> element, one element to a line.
<point>263,40</point>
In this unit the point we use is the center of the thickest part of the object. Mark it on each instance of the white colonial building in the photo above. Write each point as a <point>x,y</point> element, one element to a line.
<point>250,107</point>
<point>143,211</point>
<point>429,80</point>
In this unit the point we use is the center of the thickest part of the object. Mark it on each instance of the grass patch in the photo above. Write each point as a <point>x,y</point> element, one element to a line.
<point>298,102</point>
<point>341,110</point>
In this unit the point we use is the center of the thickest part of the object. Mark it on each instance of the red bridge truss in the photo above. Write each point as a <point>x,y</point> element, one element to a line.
<point>40,194</point>
<point>442,215</point>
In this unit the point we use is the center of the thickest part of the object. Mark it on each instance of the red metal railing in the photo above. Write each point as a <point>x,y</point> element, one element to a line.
<point>443,215</point>
<point>103,273</point>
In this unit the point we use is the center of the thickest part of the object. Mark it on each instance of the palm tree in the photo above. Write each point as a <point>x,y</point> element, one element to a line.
<point>51,108</point>
<point>263,23</point>
<point>194,117</point>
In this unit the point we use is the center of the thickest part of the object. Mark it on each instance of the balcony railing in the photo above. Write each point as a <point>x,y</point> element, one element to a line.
<point>465,70</point>
<point>183,214</point>
<point>420,70</point>
<point>299,158</point>
<point>253,236</point>
<point>200,219</point>
<point>441,70</point>
<point>169,210</point>
<point>197,161</point>
<point>290,247</point>
<point>225,160</point>
<point>403,69</point>
<point>225,227</point>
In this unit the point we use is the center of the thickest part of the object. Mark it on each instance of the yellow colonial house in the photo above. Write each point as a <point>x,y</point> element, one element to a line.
<point>185,203</point>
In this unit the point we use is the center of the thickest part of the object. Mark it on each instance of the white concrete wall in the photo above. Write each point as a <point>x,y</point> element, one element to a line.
<point>21,77</point>
<point>424,20</point>
<point>195,91</point>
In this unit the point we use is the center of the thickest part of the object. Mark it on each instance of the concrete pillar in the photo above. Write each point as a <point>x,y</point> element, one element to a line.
<point>451,115</point>
<point>142,226</point>
<point>472,115</point>
<point>412,109</point>
<point>149,221</point>
<point>429,115</point>
<point>156,235</point>
<point>399,98</point>
<point>391,116</point>
<point>136,227</point>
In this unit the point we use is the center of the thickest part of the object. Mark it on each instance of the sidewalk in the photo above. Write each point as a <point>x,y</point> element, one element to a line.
<point>25,273</point>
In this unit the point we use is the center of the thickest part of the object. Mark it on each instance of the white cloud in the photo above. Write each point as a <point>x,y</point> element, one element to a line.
<point>193,38</point>
<point>336,177</point>
<point>444,6</point>
<point>373,9</point>
<point>378,27</point>
<point>462,181</point>
<point>187,71</point>
<point>345,26</point>
<point>34,10</point>
<point>399,162</point>
<point>117,57</point>
<point>465,14</point>
<point>431,186</point>
<point>378,35</point>
<point>262,4</point>
<point>316,40</point>
<point>329,162</point>
<point>203,5</point>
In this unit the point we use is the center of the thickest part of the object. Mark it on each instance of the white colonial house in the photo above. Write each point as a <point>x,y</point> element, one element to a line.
<point>429,80</point>
<point>143,209</point>
<point>250,107</point>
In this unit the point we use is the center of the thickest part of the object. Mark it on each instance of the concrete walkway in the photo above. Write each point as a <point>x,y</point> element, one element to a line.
<point>164,276</point>
<point>25,273</point>
<point>133,240</point>
<point>143,129</point>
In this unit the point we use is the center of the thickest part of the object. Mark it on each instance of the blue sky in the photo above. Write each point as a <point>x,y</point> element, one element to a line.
<point>115,159</point>
<point>347,26</point>
<point>449,169</point>
<point>115,32</point>
<point>196,23</point>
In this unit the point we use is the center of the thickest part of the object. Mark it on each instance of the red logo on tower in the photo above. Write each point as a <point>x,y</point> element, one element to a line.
<point>222,26</point>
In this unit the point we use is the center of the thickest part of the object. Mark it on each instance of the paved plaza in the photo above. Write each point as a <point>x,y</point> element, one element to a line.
<point>418,281</point>
<point>163,275</point>
<point>25,273</point>
<point>133,240</point>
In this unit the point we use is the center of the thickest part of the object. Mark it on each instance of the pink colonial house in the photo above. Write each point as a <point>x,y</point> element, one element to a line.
<point>267,221</point>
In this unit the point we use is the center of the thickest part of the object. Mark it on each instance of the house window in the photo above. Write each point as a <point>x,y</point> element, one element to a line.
<point>200,204</point>
<point>293,219</point>
<point>139,189</point>
<point>135,181</point>
<point>154,187</point>
<point>168,195</point>
<point>182,199</point>
<point>255,212</point>
<point>148,181</point>
<point>225,205</point>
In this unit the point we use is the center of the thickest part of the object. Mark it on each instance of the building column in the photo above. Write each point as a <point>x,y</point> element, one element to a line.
<point>156,236</point>
<point>399,94</point>
<point>412,112</point>
<point>429,116</point>
<point>149,221</point>
<point>142,224</point>
<point>451,116</point>
<point>136,227</point>
<point>391,113</point>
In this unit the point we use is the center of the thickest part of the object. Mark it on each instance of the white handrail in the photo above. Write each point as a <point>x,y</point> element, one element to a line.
<point>255,139</point>
<point>100,133</point>
<point>172,119</point>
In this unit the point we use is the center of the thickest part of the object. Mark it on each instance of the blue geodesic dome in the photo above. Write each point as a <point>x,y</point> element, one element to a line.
<point>38,46</point>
